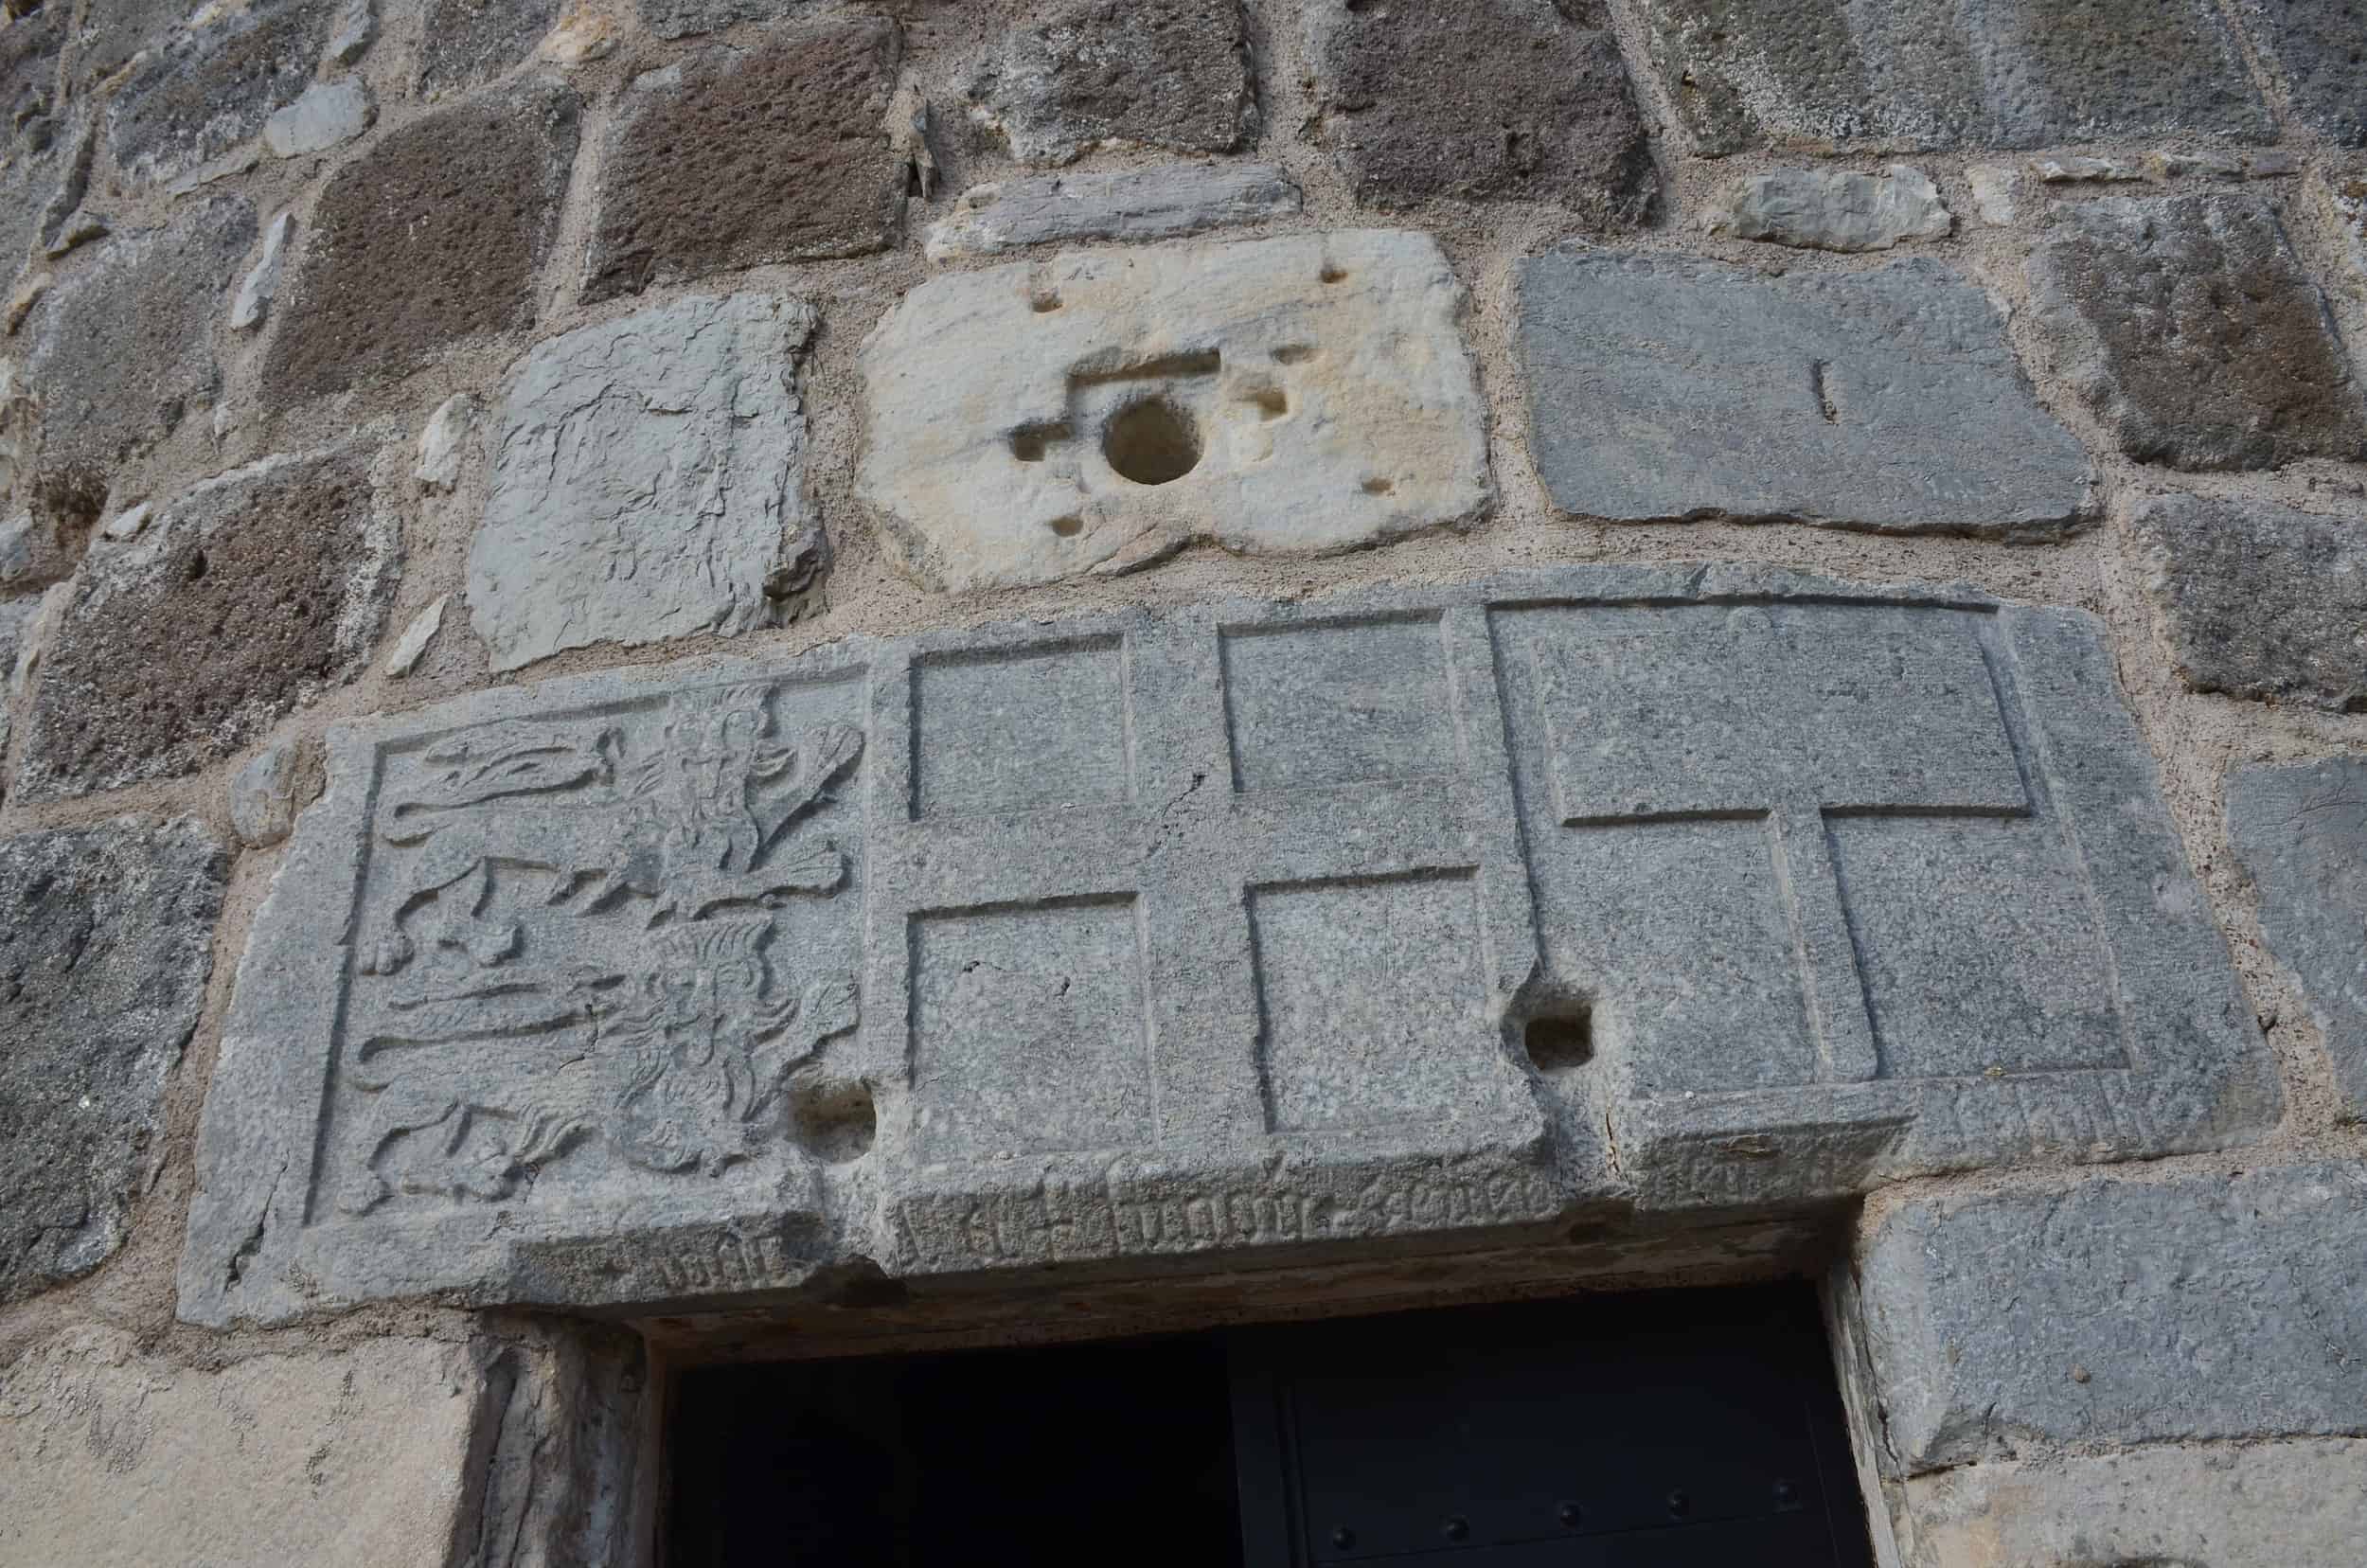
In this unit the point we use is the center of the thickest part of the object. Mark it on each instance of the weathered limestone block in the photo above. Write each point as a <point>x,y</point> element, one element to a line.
<point>2119,1311</point>
<point>1833,210</point>
<point>468,42</point>
<point>1211,933</point>
<point>2315,45</point>
<point>2259,600</point>
<point>120,354</point>
<point>1171,73</point>
<point>249,595</point>
<point>1097,411</point>
<point>1519,99</point>
<point>212,84</point>
<point>739,157</point>
<point>436,233</point>
<point>647,477</point>
<point>105,943</point>
<point>2190,327</point>
<point>2301,831</point>
<point>1164,202</point>
<point>1661,387</point>
<point>1939,73</point>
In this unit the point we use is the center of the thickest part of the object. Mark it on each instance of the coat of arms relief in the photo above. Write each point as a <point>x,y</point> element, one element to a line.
<point>580,935</point>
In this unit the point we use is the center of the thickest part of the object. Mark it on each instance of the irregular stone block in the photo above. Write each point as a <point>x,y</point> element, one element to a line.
<point>443,445</point>
<point>2213,568</point>
<point>468,42</point>
<point>412,646</point>
<point>2190,327</point>
<point>1823,209</point>
<point>1136,204</point>
<point>740,157</point>
<point>1099,410</point>
<point>1939,73</point>
<point>1219,932</point>
<point>248,597</point>
<point>647,477</point>
<point>436,233</point>
<point>213,84</point>
<point>1663,388</point>
<point>2119,1311</point>
<point>120,354</point>
<point>1170,74</point>
<point>327,114</point>
<point>106,942</point>
<point>2315,45</point>
<point>2301,833</point>
<point>262,281</point>
<point>1519,98</point>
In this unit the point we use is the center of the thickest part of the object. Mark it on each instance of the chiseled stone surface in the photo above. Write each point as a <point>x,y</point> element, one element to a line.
<point>1161,203</point>
<point>647,477</point>
<point>1938,73</point>
<point>1055,943</point>
<point>1833,210</point>
<point>109,1457</point>
<point>1028,423</point>
<point>1663,387</point>
<point>1171,73</point>
<point>2301,833</point>
<point>2315,45</point>
<point>212,84</point>
<point>2259,600</point>
<point>2119,1311</point>
<point>1519,98</point>
<point>434,233</point>
<point>2190,327</point>
<point>250,594</point>
<point>466,42</point>
<point>734,158</point>
<point>105,936</point>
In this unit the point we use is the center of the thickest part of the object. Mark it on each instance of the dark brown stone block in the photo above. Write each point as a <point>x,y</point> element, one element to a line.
<point>1157,73</point>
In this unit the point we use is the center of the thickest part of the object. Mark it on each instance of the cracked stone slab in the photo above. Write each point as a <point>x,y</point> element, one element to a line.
<point>1169,73</point>
<point>1163,203</point>
<point>647,479</point>
<point>2301,833</point>
<point>1236,931</point>
<point>2196,1307</point>
<point>1095,411</point>
<point>1943,74</point>
<point>1667,389</point>
<point>105,943</point>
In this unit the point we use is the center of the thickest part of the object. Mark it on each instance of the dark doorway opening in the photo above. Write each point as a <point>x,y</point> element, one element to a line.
<point>1651,1431</point>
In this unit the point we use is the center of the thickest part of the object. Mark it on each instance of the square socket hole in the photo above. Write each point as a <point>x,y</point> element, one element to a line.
<point>1561,1041</point>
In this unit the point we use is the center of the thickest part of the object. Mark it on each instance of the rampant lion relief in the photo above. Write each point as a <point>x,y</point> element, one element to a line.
<point>581,945</point>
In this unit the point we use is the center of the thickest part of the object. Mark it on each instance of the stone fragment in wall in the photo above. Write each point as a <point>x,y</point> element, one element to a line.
<point>646,476</point>
<point>127,523</point>
<point>28,293</point>
<point>583,33</point>
<point>412,646</point>
<point>240,160</point>
<point>1213,933</point>
<point>78,231</point>
<point>1526,99</point>
<point>1164,201</point>
<point>1097,411</point>
<point>736,158</point>
<point>443,445</point>
<point>2275,163</point>
<point>121,353</point>
<point>213,86</point>
<point>114,32</point>
<point>2212,568</point>
<point>1997,192</point>
<point>1167,74</point>
<point>465,43</point>
<point>39,544</point>
<point>2085,171</point>
<point>351,33</point>
<point>435,233</point>
<point>1667,389</point>
<point>249,595</point>
<point>2315,45</point>
<point>2190,329</point>
<point>685,18</point>
<point>2159,167</point>
<point>1939,74</point>
<point>18,617</point>
<point>327,114</point>
<point>1832,210</point>
<point>2299,830</point>
<point>261,284</point>
<point>106,937</point>
<point>2202,1307</point>
<point>275,784</point>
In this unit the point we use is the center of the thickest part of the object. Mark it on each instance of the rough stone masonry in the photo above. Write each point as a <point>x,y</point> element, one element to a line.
<point>686,678</point>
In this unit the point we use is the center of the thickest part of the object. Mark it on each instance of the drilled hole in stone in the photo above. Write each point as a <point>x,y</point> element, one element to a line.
<point>1067,528</point>
<point>1030,441</point>
<point>1379,487</point>
<point>1332,274</point>
<point>1294,353</point>
<point>1044,303</point>
<point>1560,1042</point>
<point>834,1120</point>
<point>197,566</point>
<point>1151,442</point>
<point>1271,403</point>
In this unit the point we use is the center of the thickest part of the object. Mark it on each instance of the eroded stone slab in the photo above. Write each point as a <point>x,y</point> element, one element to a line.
<point>1503,99</point>
<point>2259,600</point>
<point>647,478</point>
<point>1216,932</point>
<point>1164,202</point>
<point>1834,209</point>
<point>1936,73</point>
<point>106,942</point>
<point>1170,74</point>
<point>2301,831</point>
<point>2315,46</point>
<point>1097,411</point>
<point>1662,387</point>
<point>212,84</point>
<point>2190,327</point>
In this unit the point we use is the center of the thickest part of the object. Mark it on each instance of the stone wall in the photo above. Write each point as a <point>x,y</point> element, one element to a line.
<point>806,672</point>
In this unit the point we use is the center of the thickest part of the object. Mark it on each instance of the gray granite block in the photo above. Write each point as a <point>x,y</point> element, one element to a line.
<point>1215,932</point>
<point>1667,389</point>
<point>2119,1311</point>
<point>2301,831</point>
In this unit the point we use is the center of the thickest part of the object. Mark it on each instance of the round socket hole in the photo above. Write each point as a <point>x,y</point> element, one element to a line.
<point>1067,526</point>
<point>1151,442</point>
<point>1044,303</point>
<point>1379,487</point>
<point>1560,1042</point>
<point>833,1119</point>
<point>1332,274</point>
